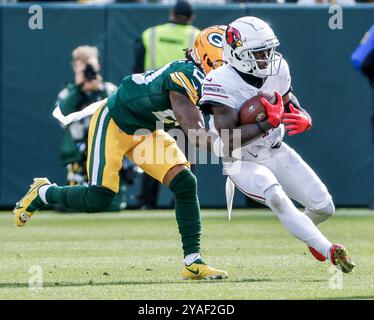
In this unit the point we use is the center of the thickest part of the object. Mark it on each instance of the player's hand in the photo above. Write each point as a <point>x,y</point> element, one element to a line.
<point>274,111</point>
<point>296,121</point>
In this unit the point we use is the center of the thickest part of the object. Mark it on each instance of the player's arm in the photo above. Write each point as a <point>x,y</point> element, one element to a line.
<point>226,117</point>
<point>190,119</point>
<point>219,97</point>
<point>295,118</point>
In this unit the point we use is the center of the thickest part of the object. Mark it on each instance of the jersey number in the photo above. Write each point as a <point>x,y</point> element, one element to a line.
<point>199,75</point>
<point>149,76</point>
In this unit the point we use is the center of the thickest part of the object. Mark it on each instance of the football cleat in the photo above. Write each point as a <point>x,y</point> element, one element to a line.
<point>31,202</point>
<point>198,270</point>
<point>339,257</point>
<point>316,254</point>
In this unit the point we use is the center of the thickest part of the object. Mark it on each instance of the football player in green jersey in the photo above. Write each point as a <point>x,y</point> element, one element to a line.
<point>125,124</point>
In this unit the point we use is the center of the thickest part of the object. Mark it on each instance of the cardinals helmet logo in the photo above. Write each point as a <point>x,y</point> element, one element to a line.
<point>233,38</point>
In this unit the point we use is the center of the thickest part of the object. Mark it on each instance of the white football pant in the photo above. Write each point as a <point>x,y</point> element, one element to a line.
<point>276,178</point>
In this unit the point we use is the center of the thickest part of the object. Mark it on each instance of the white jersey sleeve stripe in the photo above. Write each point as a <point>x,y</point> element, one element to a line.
<point>215,95</point>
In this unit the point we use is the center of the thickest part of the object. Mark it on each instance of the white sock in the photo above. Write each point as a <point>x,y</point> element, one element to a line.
<point>42,192</point>
<point>190,258</point>
<point>296,223</point>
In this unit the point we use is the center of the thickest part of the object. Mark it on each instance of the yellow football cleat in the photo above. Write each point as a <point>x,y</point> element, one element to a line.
<point>31,202</point>
<point>339,257</point>
<point>200,271</point>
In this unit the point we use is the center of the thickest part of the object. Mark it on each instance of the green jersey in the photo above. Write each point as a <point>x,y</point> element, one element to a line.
<point>143,99</point>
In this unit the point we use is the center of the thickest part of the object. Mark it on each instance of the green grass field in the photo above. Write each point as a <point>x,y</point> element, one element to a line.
<point>137,255</point>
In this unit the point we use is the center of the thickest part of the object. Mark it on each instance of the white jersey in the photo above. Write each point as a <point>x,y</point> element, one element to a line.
<point>263,166</point>
<point>225,86</point>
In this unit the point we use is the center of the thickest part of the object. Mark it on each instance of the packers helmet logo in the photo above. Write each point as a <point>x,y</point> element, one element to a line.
<point>215,39</point>
<point>233,38</point>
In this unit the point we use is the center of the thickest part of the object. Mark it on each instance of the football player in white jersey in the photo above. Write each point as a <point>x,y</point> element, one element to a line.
<point>268,170</point>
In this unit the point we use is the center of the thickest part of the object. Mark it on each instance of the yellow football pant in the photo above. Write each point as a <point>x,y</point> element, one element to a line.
<point>156,153</point>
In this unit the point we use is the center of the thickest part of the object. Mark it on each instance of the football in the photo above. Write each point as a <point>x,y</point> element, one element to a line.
<point>252,110</point>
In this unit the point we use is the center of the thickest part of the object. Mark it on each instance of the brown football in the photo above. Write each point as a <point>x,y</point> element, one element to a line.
<point>252,110</point>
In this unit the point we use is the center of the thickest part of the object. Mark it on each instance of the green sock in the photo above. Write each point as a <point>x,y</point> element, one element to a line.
<point>81,198</point>
<point>187,210</point>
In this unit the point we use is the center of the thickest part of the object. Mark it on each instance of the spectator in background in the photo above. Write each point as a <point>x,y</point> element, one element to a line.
<point>10,1</point>
<point>196,1</point>
<point>88,87</point>
<point>338,2</point>
<point>156,47</point>
<point>256,1</point>
<point>164,43</point>
<point>95,1</point>
<point>363,60</point>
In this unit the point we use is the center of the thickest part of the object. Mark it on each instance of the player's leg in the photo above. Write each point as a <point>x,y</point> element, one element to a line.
<point>301,183</point>
<point>106,148</point>
<point>105,153</point>
<point>259,183</point>
<point>169,165</point>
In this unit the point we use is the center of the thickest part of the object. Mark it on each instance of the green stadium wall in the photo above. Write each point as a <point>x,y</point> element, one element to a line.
<point>36,63</point>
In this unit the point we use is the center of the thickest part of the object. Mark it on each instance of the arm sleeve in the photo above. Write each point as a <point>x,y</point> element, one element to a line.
<point>70,99</point>
<point>139,56</point>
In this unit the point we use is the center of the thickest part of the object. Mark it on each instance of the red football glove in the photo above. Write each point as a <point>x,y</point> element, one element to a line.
<point>296,121</point>
<point>274,111</point>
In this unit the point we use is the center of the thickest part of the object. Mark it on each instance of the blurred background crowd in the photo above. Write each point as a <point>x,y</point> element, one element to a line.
<point>303,2</point>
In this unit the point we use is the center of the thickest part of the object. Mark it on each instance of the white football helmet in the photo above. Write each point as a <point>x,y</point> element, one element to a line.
<point>249,46</point>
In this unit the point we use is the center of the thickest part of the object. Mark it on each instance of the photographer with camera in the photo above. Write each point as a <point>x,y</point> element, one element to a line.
<point>88,87</point>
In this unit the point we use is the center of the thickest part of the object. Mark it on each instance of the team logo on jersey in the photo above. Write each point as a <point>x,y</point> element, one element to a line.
<point>215,39</point>
<point>233,38</point>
